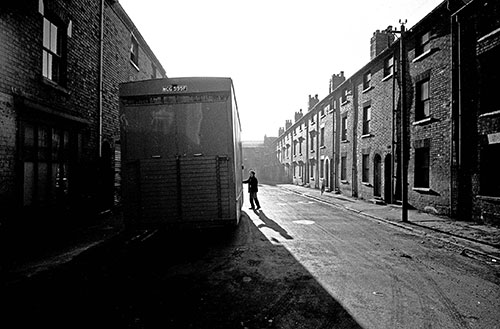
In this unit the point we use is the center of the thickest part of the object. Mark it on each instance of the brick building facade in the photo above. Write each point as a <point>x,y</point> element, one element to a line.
<point>362,118</point>
<point>476,114</point>
<point>61,63</point>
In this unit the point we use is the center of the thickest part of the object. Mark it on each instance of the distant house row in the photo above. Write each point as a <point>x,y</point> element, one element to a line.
<point>350,141</point>
<point>61,63</point>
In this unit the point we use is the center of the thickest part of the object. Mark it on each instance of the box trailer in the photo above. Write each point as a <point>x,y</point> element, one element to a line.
<point>181,153</point>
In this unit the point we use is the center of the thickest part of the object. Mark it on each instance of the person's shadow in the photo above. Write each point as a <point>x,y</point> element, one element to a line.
<point>268,222</point>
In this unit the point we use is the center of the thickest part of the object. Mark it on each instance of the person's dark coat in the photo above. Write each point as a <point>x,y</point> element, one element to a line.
<point>253,184</point>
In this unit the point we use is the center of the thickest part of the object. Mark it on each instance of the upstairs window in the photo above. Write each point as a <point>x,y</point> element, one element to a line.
<point>389,66</point>
<point>367,115</point>
<point>422,102</point>
<point>344,128</point>
<point>53,51</point>
<point>367,78</point>
<point>345,92</point>
<point>423,44</point>
<point>134,50</point>
<point>488,80</point>
<point>322,137</point>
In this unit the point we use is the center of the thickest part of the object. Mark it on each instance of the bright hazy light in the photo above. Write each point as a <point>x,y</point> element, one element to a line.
<point>278,52</point>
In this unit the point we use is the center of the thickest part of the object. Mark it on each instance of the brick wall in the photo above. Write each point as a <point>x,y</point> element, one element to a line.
<point>26,95</point>
<point>437,131</point>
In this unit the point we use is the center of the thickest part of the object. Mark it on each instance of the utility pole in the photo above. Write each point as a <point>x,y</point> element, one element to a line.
<point>404,135</point>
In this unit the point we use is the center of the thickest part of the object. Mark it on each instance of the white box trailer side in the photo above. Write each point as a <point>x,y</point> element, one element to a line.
<point>181,153</point>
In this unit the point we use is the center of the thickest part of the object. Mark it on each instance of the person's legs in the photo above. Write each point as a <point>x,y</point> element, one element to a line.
<point>251,200</point>
<point>256,200</point>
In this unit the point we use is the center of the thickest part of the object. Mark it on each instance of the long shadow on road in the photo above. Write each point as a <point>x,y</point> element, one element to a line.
<point>268,222</point>
<point>197,279</point>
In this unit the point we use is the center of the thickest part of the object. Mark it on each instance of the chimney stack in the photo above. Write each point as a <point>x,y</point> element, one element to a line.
<point>336,81</point>
<point>312,102</point>
<point>380,41</point>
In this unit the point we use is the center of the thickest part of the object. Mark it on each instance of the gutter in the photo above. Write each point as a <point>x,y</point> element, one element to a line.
<point>99,87</point>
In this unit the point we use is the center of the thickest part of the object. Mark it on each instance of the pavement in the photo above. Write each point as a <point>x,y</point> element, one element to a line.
<point>471,239</point>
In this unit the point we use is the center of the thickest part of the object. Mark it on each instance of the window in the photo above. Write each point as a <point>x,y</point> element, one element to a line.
<point>343,167</point>
<point>312,141</point>
<point>345,92</point>
<point>422,167</point>
<point>389,66</point>
<point>322,168</point>
<point>422,102</point>
<point>322,137</point>
<point>326,109</point>
<point>366,119</point>
<point>134,50</point>
<point>313,169</point>
<point>423,44</point>
<point>46,156</point>
<point>344,128</point>
<point>300,146</point>
<point>488,80</point>
<point>366,168</point>
<point>489,175</point>
<point>294,148</point>
<point>53,61</point>
<point>367,78</point>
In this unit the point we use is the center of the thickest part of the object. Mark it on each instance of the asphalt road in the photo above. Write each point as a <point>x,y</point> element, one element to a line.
<point>385,277</point>
<point>297,263</point>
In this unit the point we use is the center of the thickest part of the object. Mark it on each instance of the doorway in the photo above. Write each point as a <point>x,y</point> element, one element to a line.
<point>388,178</point>
<point>377,175</point>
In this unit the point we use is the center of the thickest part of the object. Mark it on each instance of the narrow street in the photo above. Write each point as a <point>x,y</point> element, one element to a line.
<point>297,263</point>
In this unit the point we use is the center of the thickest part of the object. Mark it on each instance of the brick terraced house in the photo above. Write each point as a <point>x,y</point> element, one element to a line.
<point>61,63</point>
<point>350,141</point>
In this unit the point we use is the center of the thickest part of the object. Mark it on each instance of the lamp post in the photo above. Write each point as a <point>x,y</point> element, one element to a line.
<point>404,136</point>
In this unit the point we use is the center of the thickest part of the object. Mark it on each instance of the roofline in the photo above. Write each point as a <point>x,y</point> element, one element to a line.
<point>125,18</point>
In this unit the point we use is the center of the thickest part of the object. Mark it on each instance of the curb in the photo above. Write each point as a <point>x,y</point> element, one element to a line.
<point>421,232</point>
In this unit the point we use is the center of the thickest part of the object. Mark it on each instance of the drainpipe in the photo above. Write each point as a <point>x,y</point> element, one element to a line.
<point>404,136</point>
<point>456,94</point>
<point>101,46</point>
<point>393,141</point>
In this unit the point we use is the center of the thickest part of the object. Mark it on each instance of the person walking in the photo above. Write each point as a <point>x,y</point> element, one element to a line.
<point>253,188</point>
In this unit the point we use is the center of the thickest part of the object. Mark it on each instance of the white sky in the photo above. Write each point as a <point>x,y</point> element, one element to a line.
<point>278,52</point>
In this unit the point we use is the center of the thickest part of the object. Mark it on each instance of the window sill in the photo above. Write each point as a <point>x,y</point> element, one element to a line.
<point>344,141</point>
<point>424,55</point>
<point>387,77</point>
<point>367,184</point>
<point>322,147</point>
<point>424,190</point>
<point>367,89</point>
<point>344,182</point>
<point>366,135</point>
<point>490,114</point>
<point>344,103</point>
<point>495,199</point>
<point>55,85</point>
<point>489,35</point>
<point>423,121</point>
<point>134,65</point>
